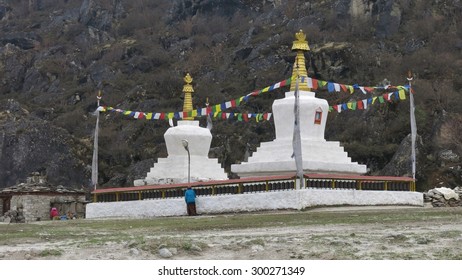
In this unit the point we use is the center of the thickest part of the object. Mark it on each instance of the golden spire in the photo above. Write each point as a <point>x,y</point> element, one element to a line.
<point>300,45</point>
<point>188,90</point>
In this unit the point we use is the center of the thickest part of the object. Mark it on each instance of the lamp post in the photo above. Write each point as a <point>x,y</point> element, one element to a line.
<point>186,147</point>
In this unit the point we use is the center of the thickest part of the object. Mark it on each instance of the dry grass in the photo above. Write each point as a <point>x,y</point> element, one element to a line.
<point>329,233</point>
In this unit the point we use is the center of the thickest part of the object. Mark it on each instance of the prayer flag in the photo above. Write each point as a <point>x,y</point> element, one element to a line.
<point>352,89</point>
<point>330,87</point>
<point>309,83</point>
<point>402,94</point>
<point>337,87</point>
<point>315,84</point>
<point>365,101</point>
<point>389,96</point>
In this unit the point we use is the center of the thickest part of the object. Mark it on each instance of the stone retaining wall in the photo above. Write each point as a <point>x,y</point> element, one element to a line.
<point>289,199</point>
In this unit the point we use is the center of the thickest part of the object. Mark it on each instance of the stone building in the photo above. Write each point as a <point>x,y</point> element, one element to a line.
<point>32,201</point>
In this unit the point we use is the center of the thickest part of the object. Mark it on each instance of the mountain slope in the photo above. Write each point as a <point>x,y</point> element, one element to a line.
<point>55,55</point>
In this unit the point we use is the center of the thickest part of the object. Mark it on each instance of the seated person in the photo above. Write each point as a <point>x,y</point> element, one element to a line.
<point>54,214</point>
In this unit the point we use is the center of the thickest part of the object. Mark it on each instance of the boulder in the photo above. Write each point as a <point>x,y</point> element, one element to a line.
<point>165,253</point>
<point>448,193</point>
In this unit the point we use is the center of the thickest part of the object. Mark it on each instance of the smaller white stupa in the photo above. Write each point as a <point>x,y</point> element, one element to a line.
<point>318,155</point>
<point>186,136</point>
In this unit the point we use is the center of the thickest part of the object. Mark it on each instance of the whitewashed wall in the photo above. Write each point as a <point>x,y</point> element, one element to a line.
<point>289,199</point>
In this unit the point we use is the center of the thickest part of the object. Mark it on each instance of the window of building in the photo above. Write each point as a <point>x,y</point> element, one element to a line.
<point>318,116</point>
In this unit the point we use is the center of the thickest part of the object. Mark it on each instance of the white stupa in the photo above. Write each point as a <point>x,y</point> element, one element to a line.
<point>319,155</point>
<point>174,168</point>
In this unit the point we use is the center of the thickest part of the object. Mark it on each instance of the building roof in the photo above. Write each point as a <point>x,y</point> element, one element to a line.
<point>25,188</point>
<point>37,184</point>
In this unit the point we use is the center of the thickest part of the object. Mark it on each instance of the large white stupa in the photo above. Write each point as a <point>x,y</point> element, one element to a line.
<point>318,155</point>
<point>175,168</point>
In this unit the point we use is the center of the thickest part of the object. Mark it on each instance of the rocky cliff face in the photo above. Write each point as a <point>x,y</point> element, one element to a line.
<point>55,55</point>
<point>30,144</point>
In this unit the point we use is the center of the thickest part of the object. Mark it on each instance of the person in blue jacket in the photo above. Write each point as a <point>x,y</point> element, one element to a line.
<point>190,198</point>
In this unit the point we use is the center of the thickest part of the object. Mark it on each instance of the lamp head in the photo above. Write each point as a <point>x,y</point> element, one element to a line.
<point>185,144</point>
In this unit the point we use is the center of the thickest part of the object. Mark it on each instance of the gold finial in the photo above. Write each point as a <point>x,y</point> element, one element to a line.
<point>188,90</point>
<point>301,43</point>
<point>187,79</point>
<point>299,70</point>
<point>188,87</point>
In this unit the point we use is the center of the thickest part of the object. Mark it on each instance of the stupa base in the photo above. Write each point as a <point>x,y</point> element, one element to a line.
<point>252,169</point>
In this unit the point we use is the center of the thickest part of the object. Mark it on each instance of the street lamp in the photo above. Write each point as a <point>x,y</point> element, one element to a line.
<point>186,147</point>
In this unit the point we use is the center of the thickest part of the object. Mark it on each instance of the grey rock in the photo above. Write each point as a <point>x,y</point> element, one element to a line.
<point>196,248</point>
<point>448,156</point>
<point>165,253</point>
<point>21,40</point>
<point>93,14</point>
<point>422,240</point>
<point>400,164</point>
<point>243,53</point>
<point>257,248</point>
<point>4,11</point>
<point>134,252</point>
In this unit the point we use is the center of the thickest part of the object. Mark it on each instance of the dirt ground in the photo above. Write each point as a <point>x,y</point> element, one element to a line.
<point>429,234</point>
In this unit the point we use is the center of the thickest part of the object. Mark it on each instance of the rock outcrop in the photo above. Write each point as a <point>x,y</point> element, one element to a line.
<point>444,197</point>
<point>28,144</point>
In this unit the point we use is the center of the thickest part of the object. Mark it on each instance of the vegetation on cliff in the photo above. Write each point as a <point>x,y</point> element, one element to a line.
<point>56,54</point>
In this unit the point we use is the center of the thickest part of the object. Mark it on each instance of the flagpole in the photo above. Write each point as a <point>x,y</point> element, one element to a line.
<point>209,119</point>
<point>296,141</point>
<point>94,164</point>
<point>413,124</point>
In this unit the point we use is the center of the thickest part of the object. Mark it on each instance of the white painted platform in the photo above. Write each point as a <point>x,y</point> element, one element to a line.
<point>288,199</point>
